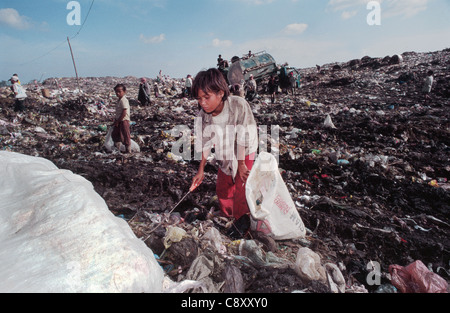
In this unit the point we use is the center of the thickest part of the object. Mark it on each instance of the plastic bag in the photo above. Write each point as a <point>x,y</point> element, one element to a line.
<point>308,267</point>
<point>416,278</point>
<point>184,286</point>
<point>109,143</point>
<point>234,282</point>
<point>214,237</point>
<point>336,280</point>
<point>328,123</point>
<point>271,206</point>
<point>173,234</point>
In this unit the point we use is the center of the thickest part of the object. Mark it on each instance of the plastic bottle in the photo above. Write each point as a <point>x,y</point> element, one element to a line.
<point>386,288</point>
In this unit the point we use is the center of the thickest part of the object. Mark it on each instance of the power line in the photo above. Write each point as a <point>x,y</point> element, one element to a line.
<point>89,12</point>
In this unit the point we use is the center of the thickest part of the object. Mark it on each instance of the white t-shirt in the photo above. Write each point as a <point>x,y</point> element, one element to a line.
<point>123,104</point>
<point>189,82</point>
<point>237,126</point>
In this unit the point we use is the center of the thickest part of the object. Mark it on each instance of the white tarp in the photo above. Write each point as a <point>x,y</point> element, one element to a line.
<point>58,235</point>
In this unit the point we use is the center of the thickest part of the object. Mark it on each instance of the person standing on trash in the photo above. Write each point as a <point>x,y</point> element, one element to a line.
<point>188,86</point>
<point>428,84</point>
<point>292,83</point>
<point>236,77</point>
<point>220,63</point>
<point>272,87</point>
<point>19,94</point>
<point>228,125</point>
<point>144,92</point>
<point>121,133</point>
<point>251,88</point>
<point>156,90</point>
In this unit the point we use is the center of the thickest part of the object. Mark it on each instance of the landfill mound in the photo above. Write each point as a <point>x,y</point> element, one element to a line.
<point>364,156</point>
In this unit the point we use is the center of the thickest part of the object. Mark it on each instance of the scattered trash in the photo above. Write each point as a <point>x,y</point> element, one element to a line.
<point>369,184</point>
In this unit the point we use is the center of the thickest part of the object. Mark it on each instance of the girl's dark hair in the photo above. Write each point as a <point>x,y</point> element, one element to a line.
<point>211,80</point>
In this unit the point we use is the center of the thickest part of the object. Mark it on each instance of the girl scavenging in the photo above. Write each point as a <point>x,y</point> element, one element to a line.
<point>224,113</point>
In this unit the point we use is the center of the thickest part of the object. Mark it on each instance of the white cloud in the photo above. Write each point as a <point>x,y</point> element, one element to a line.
<point>339,5</point>
<point>221,43</point>
<point>12,18</point>
<point>406,8</point>
<point>152,40</point>
<point>257,2</point>
<point>294,29</point>
<point>390,8</point>
<point>348,14</point>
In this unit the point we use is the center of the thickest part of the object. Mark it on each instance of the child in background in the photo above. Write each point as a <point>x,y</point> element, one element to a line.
<point>121,133</point>
<point>228,124</point>
<point>428,84</point>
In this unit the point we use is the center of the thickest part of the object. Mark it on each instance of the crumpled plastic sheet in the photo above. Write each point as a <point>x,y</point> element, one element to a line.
<point>417,278</point>
<point>58,235</point>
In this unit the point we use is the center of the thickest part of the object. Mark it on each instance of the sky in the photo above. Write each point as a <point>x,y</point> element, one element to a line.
<point>179,37</point>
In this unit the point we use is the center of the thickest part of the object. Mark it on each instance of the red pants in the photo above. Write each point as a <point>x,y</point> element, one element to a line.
<point>233,202</point>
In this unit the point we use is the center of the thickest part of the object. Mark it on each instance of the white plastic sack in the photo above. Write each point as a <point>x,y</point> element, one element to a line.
<point>308,265</point>
<point>58,235</point>
<point>109,143</point>
<point>328,123</point>
<point>270,203</point>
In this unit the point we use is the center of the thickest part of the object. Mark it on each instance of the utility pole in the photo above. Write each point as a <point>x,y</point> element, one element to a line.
<point>73,60</point>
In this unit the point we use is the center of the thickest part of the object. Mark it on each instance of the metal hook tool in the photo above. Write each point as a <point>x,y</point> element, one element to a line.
<point>179,202</point>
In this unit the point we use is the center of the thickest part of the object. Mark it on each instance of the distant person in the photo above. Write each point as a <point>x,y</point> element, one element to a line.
<point>220,62</point>
<point>19,94</point>
<point>251,88</point>
<point>36,85</point>
<point>272,87</point>
<point>156,90</point>
<point>188,86</point>
<point>428,85</point>
<point>144,92</point>
<point>236,77</point>
<point>173,90</point>
<point>228,124</point>
<point>292,83</point>
<point>121,133</point>
<point>160,77</point>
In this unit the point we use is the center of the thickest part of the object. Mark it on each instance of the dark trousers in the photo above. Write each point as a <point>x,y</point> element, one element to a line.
<point>19,105</point>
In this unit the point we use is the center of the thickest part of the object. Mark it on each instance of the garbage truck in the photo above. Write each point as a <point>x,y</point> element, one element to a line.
<point>261,65</point>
